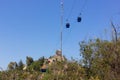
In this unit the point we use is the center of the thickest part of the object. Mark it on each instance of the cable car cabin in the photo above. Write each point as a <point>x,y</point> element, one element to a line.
<point>67,25</point>
<point>43,70</point>
<point>79,19</point>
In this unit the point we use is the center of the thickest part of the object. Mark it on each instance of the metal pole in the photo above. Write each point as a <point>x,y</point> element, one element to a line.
<point>61,34</point>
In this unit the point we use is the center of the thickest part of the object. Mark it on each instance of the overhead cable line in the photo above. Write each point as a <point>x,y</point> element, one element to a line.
<point>79,18</point>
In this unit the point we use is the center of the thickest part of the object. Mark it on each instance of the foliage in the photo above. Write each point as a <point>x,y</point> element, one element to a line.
<point>36,65</point>
<point>20,65</point>
<point>100,61</point>
<point>12,65</point>
<point>65,71</point>
<point>29,60</point>
<point>101,58</point>
<point>68,70</point>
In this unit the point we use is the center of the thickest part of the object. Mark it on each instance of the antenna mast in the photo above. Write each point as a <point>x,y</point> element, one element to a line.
<point>61,25</point>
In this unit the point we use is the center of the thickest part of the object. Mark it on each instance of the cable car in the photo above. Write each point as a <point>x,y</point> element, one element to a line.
<point>79,19</point>
<point>43,69</point>
<point>67,25</point>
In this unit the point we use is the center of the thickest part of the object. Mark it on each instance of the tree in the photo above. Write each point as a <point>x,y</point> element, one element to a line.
<point>12,65</point>
<point>41,60</point>
<point>20,65</point>
<point>36,65</point>
<point>29,60</point>
<point>101,58</point>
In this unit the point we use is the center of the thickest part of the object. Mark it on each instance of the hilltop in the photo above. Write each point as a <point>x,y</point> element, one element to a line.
<point>100,61</point>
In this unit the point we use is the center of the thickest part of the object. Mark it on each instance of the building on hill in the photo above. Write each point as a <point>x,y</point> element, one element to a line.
<point>55,58</point>
<point>52,59</point>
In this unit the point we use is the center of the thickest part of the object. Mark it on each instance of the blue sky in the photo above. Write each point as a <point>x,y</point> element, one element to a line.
<point>32,27</point>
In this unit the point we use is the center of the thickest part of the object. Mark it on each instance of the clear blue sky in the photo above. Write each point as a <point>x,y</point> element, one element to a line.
<point>32,27</point>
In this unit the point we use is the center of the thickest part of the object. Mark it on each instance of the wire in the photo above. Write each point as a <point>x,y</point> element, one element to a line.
<point>83,6</point>
<point>73,4</point>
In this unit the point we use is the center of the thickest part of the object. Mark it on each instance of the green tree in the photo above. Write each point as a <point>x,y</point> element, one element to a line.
<point>29,60</point>
<point>12,65</point>
<point>101,58</point>
<point>41,60</point>
<point>36,65</point>
<point>20,65</point>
